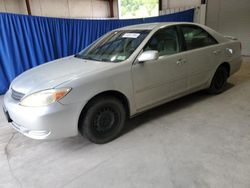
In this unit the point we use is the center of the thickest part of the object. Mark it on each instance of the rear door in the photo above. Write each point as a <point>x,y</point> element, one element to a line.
<point>202,53</point>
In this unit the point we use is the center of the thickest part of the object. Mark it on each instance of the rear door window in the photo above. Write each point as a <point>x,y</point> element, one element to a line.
<point>196,37</point>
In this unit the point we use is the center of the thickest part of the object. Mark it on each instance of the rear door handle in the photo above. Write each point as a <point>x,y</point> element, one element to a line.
<point>181,61</point>
<point>216,52</point>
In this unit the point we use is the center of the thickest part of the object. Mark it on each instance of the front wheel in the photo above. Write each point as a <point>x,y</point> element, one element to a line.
<point>104,120</point>
<point>219,81</point>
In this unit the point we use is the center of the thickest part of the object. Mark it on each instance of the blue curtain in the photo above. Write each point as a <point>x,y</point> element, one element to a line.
<point>28,41</point>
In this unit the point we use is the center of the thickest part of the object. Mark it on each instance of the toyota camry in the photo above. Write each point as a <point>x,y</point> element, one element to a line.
<point>125,72</point>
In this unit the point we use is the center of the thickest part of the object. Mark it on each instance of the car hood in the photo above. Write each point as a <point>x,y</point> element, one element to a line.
<point>54,73</point>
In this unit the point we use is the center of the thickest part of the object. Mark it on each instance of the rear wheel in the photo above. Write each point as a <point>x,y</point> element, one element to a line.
<point>219,81</point>
<point>104,120</point>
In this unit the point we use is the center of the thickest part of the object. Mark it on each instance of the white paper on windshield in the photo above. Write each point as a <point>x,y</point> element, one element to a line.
<point>121,58</point>
<point>131,35</point>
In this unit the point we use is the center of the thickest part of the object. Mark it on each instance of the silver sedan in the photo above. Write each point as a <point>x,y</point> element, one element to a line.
<point>125,72</point>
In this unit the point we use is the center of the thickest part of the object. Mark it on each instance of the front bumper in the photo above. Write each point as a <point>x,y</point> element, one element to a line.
<point>42,134</point>
<point>48,122</point>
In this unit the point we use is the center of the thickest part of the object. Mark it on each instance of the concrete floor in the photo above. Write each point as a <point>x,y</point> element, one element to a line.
<point>199,141</point>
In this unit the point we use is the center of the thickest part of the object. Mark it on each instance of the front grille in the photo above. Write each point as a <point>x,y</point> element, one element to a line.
<point>16,95</point>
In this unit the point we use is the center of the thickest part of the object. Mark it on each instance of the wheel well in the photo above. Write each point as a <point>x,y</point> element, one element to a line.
<point>227,66</point>
<point>121,97</point>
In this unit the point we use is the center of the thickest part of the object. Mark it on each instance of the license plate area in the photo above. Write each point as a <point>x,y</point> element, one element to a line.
<point>6,113</point>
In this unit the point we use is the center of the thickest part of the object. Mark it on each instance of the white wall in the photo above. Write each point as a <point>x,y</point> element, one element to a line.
<point>60,8</point>
<point>200,14</point>
<point>14,6</point>
<point>78,8</point>
<point>231,17</point>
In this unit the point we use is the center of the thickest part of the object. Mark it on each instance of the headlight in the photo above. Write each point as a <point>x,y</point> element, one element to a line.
<point>45,97</point>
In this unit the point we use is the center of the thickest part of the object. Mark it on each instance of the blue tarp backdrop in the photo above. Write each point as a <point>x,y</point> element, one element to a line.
<point>28,41</point>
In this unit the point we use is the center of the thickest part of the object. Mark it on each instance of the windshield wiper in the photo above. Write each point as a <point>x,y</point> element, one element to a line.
<point>90,58</point>
<point>77,55</point>
<point>85,57</point>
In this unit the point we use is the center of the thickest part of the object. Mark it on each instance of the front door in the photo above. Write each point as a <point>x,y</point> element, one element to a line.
<point>156,81</point>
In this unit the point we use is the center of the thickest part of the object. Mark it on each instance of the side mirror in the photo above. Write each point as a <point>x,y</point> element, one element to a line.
<point>149,55</point>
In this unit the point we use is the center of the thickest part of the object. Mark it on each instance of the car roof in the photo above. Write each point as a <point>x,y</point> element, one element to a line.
<point>155,26</point>
<point>151,26</point>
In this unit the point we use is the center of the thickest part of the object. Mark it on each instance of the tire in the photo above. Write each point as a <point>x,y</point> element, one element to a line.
<point>219,81</point>
<point>103,120</point>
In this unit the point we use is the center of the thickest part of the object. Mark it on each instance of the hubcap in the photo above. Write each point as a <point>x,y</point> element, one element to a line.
<point>105,120</point>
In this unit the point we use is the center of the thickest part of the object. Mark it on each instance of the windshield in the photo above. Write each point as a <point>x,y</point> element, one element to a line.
<point>115,47</point>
